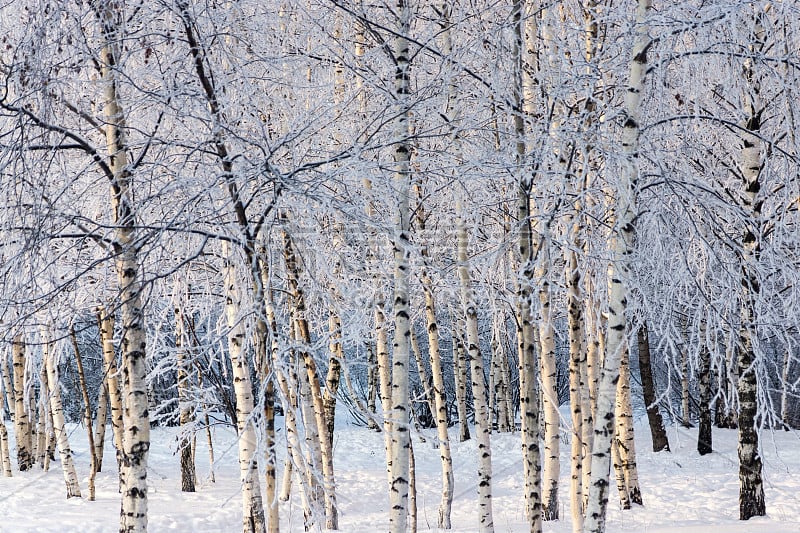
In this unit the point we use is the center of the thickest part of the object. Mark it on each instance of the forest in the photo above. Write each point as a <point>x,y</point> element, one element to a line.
<point>448,220</point>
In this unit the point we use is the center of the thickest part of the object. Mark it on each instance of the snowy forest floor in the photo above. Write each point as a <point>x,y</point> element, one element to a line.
<point>682,491</point>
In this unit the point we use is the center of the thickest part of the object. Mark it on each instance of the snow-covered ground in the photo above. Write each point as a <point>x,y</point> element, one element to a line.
<point>682,491</point>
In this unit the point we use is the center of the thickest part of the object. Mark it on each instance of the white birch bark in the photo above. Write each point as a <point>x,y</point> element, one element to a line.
<point>22,425</point>
<point>440,401</point>
<point>582,325</point>
<point>500,386</point>
<point>188,475</point>
<point>526,32</point>
<point>135,416</point>
<point>252,507</point>
<point>594,348</point>
<point>483,416</point>
<point>480,401</point>
<point>313,460</point>
<point>333,376</point>
<point>100,423</point>
<point>87,413</point>
<point>56,407</point>
<point>5,452</point>
<point>618,273</point>
<point>105,322</point>
<point>423,373</point>
<point>42,427</point>
<point>320,441</point>
<point>460,357</point>
<point>751,485</point>
<point>549,377</point>
<point>619,474</point>
<point>437,393</point>
<point>400,437</point>
<point>287,385</point>
<point>624,422</point>
<point>207,423</point>
<point>8,388</point>
<point>578,387</point>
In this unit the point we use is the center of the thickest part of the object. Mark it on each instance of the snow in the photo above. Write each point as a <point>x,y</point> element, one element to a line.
<point>683,492</point>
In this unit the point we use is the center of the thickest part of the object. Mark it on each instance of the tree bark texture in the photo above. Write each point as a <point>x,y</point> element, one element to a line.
<point>751,486</point>
<point>400,437</point>
<point>87,413</point>
<point>657,431</point>
<point>526,32</point>
<point>22,424</point>
<point>318,425</point>
<point>252,507</point>
<point>57,408</point>
<point>704,434</point>
<point>549,377</point>
<point>618,273</point>
<point>479,396</point>
<point>188,475</point>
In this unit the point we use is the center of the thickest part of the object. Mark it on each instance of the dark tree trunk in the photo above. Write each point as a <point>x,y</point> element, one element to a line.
<point>657,431</point>
<point>704,436</point>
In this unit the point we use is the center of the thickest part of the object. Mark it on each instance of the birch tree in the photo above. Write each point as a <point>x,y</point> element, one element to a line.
<point>525,32</point>
<point>22,424</point>
<point>751,488</point>
<point>56,407</point>
<point>400,438</point>
<point>618,273</point>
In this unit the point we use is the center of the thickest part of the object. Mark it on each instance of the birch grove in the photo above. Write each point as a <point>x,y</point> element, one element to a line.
<point>243,218</point>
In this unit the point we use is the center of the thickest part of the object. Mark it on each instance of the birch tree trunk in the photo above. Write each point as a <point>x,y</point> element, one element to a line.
<point>56,407</point>
<point>440,401</point>
<point>372,385</point>
<point>400,438</point>
<point>318,424</point>
<point>423,373</point>
<point>578,388</point>
<point>480,401</point>
<point>618,272</point>
<point>5,452</point>
<point>255,266</point>
<point>8,388</point>
<point>22,425</point>
<point>42,427</point>
<point>549,376</point>
<point>751,486</point>
<point>727,410</point>
<point>624,421</point>
<point>313,452</point>
<point>207,423</point>
<point>252,507</point>
<point>437,391</point>
<point>500,386</point>
<point>287,384</point>
<point>106,324</point>
<point>100,424</point>
<point>334,372</point>
<point>87,412</point>
<point>526,32</point>
<point>188,475</point>
<point>460,372</point>
<point>135,416</point>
